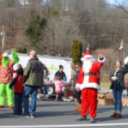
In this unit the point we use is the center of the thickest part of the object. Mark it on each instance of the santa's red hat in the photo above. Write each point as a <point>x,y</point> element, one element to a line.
<point>86,55</point>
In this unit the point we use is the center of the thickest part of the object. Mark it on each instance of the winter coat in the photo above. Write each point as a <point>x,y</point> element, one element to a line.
<point>6,74</point>
<point>33,73</point>
<point>17,82</point>
<point>119,83</point>
<point>75,78</point>
<point>61,74</point>
<point>59,84</point>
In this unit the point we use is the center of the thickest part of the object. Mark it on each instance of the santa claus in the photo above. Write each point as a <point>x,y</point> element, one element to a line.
<point>89,83</point>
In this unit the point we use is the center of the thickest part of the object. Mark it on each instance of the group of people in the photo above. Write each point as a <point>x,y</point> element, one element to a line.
<point>60,79</point>
<point>26,82</point>
<point>17,86</point>
<point>86,84</point>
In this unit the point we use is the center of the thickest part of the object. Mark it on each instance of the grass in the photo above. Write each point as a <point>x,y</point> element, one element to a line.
<point>105,85</point>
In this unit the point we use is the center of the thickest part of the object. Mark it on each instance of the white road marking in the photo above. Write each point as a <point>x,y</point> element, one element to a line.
<point>65,126</point>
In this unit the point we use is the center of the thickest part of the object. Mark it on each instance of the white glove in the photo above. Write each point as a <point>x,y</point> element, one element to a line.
<point>114,78</point>
<point>126,60</point>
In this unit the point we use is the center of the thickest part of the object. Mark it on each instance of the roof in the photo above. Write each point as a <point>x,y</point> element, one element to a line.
<point>50,57</point>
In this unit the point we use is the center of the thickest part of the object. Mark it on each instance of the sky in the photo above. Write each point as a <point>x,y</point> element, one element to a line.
<point>22,1</point>
<point>115,2</point>
<point>111,1</point>
<point>118,2</point>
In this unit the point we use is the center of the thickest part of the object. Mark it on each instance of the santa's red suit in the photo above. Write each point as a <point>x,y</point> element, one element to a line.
<point>89,83</point>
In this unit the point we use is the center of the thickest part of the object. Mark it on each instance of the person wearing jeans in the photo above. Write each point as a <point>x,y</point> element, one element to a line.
<point>32,81</point>
<point>117,100</point>
<point>27,91</point>
<point>117,86</point>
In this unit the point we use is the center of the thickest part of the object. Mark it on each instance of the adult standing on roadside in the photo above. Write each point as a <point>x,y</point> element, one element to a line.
<point>117,86</point>
<point>77,94</point>
<point>33,79</point>
<point>61,73</point>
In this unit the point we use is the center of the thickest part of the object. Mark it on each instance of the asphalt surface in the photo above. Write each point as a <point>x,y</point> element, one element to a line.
<point>60,114</point>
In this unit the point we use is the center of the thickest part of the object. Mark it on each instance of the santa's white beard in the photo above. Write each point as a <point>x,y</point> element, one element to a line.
<point>87,65</point>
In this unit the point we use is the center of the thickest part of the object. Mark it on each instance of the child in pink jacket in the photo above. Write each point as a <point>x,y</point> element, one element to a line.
<point>59,84</point>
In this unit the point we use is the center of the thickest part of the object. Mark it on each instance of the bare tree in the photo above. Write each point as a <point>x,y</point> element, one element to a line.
<point>61,31</point>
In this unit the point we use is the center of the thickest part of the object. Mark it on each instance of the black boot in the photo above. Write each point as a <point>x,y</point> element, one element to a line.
<point>83,118</point>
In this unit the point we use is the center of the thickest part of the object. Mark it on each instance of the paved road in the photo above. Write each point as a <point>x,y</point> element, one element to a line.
<point>59,114</point>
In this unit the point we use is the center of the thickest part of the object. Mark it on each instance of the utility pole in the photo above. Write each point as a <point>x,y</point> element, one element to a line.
<point>3,36</point>
<point>24,3</point>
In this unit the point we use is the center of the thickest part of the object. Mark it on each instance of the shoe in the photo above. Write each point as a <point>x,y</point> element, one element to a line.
<point>114,114</point>
<point>2,106</point>
<point>77,107</point>
<point>11,107</point>
<point>118,116</point>
<point>26,115</point>
<point>92,120</point>
<point>32,117</point>
<point>83,118</point>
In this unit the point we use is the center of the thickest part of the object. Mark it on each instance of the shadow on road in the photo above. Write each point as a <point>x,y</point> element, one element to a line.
<point>105,109</point>
<point>54,105</point>
<point>112,119</point>
<point>8,115</point>
<point>55,113</point>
